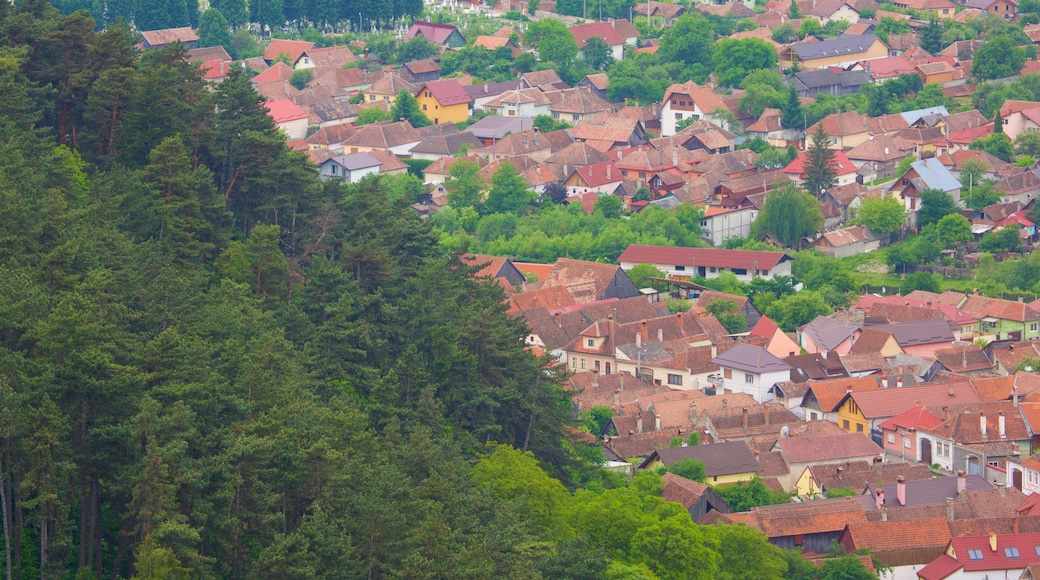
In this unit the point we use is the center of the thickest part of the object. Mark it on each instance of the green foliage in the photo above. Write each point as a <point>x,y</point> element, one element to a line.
<point>370,115</point>
<point>747,495</point>
<point>746,555</point>
<point>640,274</point>
<point>789,214</point>
<point>998,58</point>
<point>595,419</point>
<point>918,281</point>
<point>733,59</point>
<point>416,48</point>
<point>883,215</point>
<point>509,191</point>
<point>1004,239</point>
<point>597,54</point>
<point>407,108</point>
<point>935,204</point>
<point>953,230</point>
<point>819,171</point>
<point>554,42</point>
<point>547,124</point>
<point>610,206</point>
<point>887,25</point>
<point>836,492</point>
<point>796,310</point>
<point>213,29</point>
<point>912,251</point>
<point>690,41</point>
<point>689,468</point>
<point>728,314</point>
<point>996,144</point>
<point>300,78</point>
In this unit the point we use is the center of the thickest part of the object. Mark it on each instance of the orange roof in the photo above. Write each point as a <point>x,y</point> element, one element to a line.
<point>294,48</point>
<point>829,393</point>
<point>279,72</point>
<point>764,328</point>
<point>540,270</point>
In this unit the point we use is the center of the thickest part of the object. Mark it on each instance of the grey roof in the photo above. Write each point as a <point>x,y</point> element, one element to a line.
<point>496,127</point>
<point>481,90</point>
<point>916,115</point>
<point>925,491</point>
<point>935,175</point>
<point>814,79</point>
<point>667,202</point>
<point>847,44</point>
<point>356,161</point>
<point>727,458</point>
<point>918,332</point>
<point>749,358</point>
<point>828,333</point>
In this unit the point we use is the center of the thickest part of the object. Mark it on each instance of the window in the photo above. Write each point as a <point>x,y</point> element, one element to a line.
<point>424,107</point>
<point>589,342</point>
<point>334,169</point>
<point>845,424</point>
<point>727,373</point>
<point>891,437</point>
<point>712,269</point>
<point>574,363</point>
<point>906,443</point>
<point>582,364</point>
<point>575,117</point>
<point>674,379</point>
<point>556,115</point>
<point>740,271</point>
<point>1037,548</point>
<point>595,366</point>
<point>812,416</point>
<point>1032,326</point>
<point>608,368</point>
<point>749,379</point>
<point>680,268</point>
<point>678,116</point>
<point>1011,552</point>
<point>859,427</point>
<point>704,224</point>
<point>975,554</point>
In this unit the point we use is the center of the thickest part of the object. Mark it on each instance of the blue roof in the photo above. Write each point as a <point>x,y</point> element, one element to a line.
<point>912,117</point>
<point>935,175</point>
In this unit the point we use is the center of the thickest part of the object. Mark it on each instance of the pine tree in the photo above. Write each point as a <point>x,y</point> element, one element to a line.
<point>214,29</point>
<point>819,174</point>
<point>792,109</point>
<point>407,108</point>
<point>998,123</point>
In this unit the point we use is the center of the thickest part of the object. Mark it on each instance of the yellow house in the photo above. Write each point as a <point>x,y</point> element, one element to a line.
<point>388,87</point>
<point>842,51</point>
<point>850,417</point>
<point>444,101</point>
<point>728,462</point>
<point>806,485</point>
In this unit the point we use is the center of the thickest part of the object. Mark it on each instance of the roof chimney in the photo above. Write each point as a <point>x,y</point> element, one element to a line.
<point>617,396</point>
<point>639,423</point>
<point>879,498</point>
<point>645,330</point>
<point>675,156</point>
<point>840,472</point>
<point>657,422</point>
<point>945,412</point>
<point>639,340</point>
<point>693,413</point>
<point>1002,425</point>
<point>884,514</point>
<point>442,164</point>
<point>621,382</point>
<point>660,335</point>
<point>993,541</point>
<point>962,482</point>
<point>964,358</point>
<point>982,425</point>
<point>901,490</point>
<point>608,171</point>
<point>714,350</point>
<point>899,382</point>
<point>1000,488</point>
<point>558,317</point>
<point>950,512</point>
<point>744,417</point>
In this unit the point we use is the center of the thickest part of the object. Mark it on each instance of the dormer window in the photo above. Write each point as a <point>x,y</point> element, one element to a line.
<point>590,342</point>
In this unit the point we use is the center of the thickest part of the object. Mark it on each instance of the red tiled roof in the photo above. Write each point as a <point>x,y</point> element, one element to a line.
<point>747,259</point>
<point>583,32</point>
<point>169,35</point>
<point>839,163</point>
<point>912,419</point>
<point>939,568</point>
<point>284,110</point>
<point>279,72</point>
<point>827,448</point>
<point>294,48</point>
<point>764,328</point>
<point>996,559</point>
<point>891,402</point>
<point>448,92</point>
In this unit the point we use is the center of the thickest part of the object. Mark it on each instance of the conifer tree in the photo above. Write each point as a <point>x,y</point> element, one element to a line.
<point>407,108</point>
<point>819,174</point>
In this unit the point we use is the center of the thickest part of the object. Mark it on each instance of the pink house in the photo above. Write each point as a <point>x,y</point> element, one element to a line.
<point>920,337</point>
<point>824,335</point>
<point>899,433</point>
<point>775,340</point>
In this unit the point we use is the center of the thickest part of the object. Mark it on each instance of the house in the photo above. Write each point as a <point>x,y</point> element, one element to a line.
<point>751,370</point>
<point>581,104</point>
<point>167,36</point>
<point>825,335</point>
<point>802,452</point>
<point>864,411</point>
<point>541,78</point>
<point>851,241</point>
<point>1019,187</point>
<point>436,147</point>
<point>942,9</point>
<point>823,398</point>
<point>1019,116</point>
<point>922,175</point>
<point>813,526</point>
<point>332,56</point>
<point>286,50</point>
<point>684,263</point>
<point>905,547</point>
<point>689,100</point>
<point>398,138</point>
<point>597,83</point>
<point>920,337</point>
<point>746,423</point>
<point>519,103</point>
<point>844,170</point>
<point>605,32</point>
<point>439,34</point>
<point>665,13</point>
<point>899,434</point>
<point>860,476</point>
<point>980,438</point>
<point>421,71</point>
<point>288,117</point>
<point>722,223</point>
<point>493,128</point>
<point>697,498</point>
<point>849,129</point>
<point>940,72</point>
<point>482,93</point>
<point>729,462</point>
<point>814,367</point>
<point>600,177</point>
<point>1024,474</point>
<point>776,341</point>
<point>965,360</point>
<point>986,556</point>
<point>590,281</point>
<point>840,52</point>
<point>388,87</point>
<point>349,168</point>
<point>1003,319</point>
<point>769,127</point>
<point>444,101</point>
<point>495,268</point>
<point>824,11</point>
<point>810,83</point>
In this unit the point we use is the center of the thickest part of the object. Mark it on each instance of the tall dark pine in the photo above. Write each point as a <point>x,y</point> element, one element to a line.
<point>819,173</point>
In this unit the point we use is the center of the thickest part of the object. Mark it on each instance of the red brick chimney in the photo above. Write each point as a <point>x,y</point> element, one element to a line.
<point>962,482</point>
<point>744,418</point>
<point>879,498</point>
<point>901,490</point>
<point>645,330</point>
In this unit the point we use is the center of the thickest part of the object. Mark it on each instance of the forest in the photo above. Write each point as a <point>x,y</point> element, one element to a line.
<point>216,366</point>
